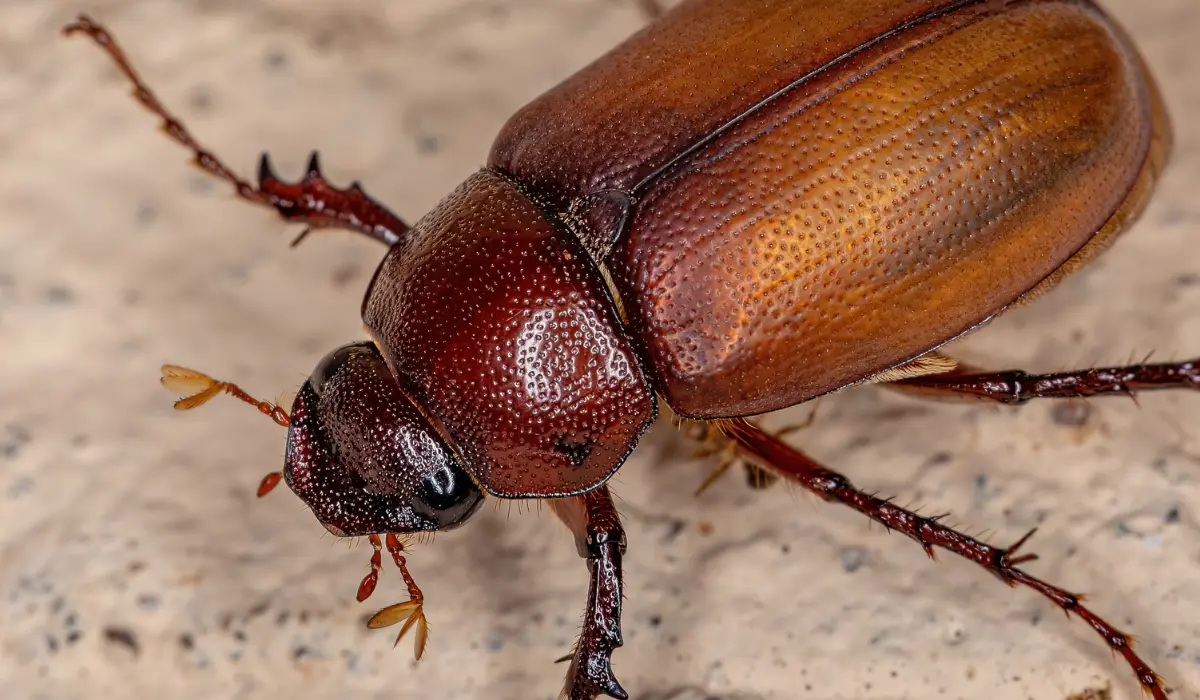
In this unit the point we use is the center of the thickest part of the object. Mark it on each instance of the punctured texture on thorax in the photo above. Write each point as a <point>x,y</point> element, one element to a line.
<point>502,328</point>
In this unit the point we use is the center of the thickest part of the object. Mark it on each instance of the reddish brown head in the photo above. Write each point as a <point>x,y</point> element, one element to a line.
<point>365,459</point>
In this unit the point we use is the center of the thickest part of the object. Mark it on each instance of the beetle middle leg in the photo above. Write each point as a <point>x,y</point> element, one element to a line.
<point>1017,387</point>
<point>714,442</point>
<point>600,540</point>
<point>929,533</point>
<point>311,201</point>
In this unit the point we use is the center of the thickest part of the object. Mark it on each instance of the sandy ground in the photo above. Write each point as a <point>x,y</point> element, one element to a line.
<point>135,561</point>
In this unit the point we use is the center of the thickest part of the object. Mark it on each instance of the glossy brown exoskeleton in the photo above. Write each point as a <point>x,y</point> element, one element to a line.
<point>743,207</point>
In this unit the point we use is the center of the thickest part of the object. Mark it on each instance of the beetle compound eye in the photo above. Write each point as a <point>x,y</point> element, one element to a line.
<point>443,489</point>
<point>447,496</point>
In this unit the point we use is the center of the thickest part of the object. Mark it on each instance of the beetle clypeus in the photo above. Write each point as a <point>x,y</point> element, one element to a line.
<point>741,208</point>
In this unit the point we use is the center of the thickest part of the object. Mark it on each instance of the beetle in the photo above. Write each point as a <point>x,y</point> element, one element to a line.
<point>743,207</point>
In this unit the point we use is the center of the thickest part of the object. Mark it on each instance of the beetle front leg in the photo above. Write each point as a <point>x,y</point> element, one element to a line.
<point>1017,387</point>
<point>929,533</point>
<point>600,539</point>
<point>311,201</point>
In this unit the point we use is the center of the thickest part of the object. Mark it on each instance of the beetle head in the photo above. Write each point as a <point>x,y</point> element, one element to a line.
<point>365,459</point>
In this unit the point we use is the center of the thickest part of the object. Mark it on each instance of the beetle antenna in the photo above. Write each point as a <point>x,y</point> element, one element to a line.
<point>410,612</point>
<point>198,389</point>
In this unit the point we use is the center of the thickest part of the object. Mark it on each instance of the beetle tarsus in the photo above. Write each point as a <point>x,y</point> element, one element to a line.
<point>312,201</point>
<point>928,532</point>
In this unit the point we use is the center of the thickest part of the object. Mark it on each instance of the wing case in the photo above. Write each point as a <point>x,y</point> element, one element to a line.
<point>793,195</point>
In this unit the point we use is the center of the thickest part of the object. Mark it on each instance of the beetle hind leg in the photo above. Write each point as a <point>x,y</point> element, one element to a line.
<point>311,201</point>
<point>1017,387</point>
<point>928,532</point>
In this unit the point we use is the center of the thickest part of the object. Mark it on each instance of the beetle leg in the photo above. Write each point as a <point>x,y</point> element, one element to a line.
<point>728,459</point>
<point>411,612</point>
<point>1016,387</point>
<point>758,478</point>
<point>198,388</point>
<point>929,533</point>
<point>713,441</point>
<point>311,201</point>
<point>600,539</point>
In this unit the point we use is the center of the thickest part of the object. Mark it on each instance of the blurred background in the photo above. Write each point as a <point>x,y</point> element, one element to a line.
<point>135,561</point>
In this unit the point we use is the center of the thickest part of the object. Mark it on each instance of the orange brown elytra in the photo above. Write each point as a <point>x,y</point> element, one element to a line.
<point>743,207</point>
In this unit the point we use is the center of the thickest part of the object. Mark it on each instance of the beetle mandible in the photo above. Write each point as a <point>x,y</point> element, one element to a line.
<point>743,207</point>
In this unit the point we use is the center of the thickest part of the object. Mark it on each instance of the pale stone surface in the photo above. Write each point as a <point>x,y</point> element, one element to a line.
<point>135,561</point>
